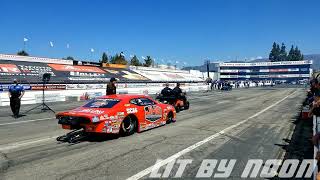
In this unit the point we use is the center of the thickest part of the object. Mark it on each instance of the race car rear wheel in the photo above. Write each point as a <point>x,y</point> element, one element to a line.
<point>177,108</point>
<point>187,105</point>
<point>128,126</point>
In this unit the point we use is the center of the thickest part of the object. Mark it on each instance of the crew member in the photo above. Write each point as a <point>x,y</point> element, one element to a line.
<point>178,93</point>
<point>111,86</point>
<point>166,91</point>
<point>16,92</point>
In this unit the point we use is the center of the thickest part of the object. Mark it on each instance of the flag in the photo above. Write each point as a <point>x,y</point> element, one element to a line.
<point>68,46</point>
<point>92,50</point>
<point>25,39</point>
<point>51,43</point>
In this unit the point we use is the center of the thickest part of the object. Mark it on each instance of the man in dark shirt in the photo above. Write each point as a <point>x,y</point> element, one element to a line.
<point>178,93</point>
<point>166,91</point>
<point>16,92</point>
<point>111,87</point>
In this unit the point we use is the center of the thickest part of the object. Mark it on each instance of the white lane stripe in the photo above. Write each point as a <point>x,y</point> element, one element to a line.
<point>24,143</point>
<point>26,121</point>
<point>196,145</point>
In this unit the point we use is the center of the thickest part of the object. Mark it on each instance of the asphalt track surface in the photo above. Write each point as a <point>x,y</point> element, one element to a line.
<point>242,124</point>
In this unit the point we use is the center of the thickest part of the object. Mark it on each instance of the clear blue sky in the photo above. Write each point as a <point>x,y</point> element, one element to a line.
<point>177,30</point>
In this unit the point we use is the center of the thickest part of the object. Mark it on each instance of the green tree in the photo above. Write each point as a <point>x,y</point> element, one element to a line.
<point>104,58</point>
<point>290,56</point>
<point>22,53</point>
<point>297,56</point>
<point>148,61</point>
<point>275,52</point>
<point>69,58</point>
<point>283,53</point>
<point>118,59</point>
<point>135,61</point>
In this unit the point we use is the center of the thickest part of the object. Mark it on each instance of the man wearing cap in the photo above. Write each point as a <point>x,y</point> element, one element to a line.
<point>111,87</point>
<point>16,92</point>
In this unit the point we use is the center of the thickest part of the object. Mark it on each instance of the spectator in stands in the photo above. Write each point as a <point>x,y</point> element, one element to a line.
<point>166,91</point>
<point>111,86</point>
<point>178,93</point>
<point>16,92</point>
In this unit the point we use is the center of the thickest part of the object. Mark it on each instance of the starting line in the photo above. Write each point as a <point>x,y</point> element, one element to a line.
<point>26,121</point>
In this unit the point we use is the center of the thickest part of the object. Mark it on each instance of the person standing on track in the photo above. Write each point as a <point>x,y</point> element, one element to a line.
<point>111,87</point>
<point>16,92</point>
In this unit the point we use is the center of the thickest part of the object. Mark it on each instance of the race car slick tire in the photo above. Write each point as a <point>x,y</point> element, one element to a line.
<point>169,118</point>
<point>128,126</point>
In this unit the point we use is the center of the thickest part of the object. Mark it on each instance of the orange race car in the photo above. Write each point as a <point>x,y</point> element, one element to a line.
<point>115,114</point>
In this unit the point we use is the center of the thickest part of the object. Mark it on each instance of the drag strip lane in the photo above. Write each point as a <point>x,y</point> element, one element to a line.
<point>121,158</point>
<point>161,163</point>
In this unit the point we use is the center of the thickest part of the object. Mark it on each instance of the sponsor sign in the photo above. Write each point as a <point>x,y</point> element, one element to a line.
<point>70,68</point>
<point>265,63</point>
<point>48,87</point>
<point>9,68</point>
<point>87,63</point>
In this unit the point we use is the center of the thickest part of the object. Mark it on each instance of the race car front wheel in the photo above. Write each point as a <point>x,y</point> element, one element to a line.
<point>128,126</point>
<point>169,118</point>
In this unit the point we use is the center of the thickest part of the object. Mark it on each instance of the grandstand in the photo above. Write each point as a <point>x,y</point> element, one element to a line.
<point>28,71</point>
<point>75,79</point>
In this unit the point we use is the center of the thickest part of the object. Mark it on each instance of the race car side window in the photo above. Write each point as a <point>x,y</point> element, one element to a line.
<point>146,102</point>
<point>142,102</point>
<point>134,101</point>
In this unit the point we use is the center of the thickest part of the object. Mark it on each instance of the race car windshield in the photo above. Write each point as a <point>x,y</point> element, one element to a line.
<point>102,103</point>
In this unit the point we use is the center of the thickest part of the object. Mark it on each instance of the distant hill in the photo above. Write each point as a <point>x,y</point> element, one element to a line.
<point>316,60</point>
<point>213,67</point>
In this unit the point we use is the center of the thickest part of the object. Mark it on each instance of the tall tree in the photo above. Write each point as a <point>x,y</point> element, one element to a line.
<point>278,53</point>
<point>118,59</point>
<point>135,61</point>
<point>290,56</point>
<point>275,52</point>
<point>283,53</point>
<point>296,54</point>
<point>69,58</point>
<point>148,61</point>
<point>104,58</point>
<point>22,53</point>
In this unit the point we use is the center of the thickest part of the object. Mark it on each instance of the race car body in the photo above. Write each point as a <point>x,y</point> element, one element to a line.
<point>118,113</point>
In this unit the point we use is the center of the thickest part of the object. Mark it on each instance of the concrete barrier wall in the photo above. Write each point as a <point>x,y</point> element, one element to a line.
<point>32,97</point>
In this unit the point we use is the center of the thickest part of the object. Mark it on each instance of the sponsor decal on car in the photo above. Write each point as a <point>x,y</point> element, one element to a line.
<point>91,111</point>
<point>132,110</point>
<point>120,113</point>
<point>153,113</point>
